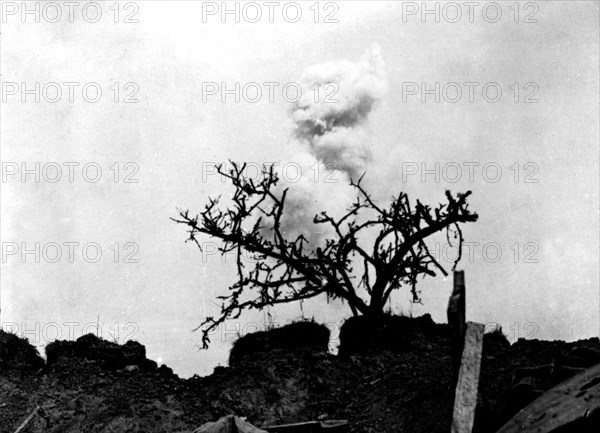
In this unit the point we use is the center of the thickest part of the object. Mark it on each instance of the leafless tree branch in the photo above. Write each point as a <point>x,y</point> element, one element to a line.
<point>287,270</point>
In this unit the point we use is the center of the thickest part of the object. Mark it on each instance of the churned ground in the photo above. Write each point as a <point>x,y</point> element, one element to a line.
<point>392,375</point>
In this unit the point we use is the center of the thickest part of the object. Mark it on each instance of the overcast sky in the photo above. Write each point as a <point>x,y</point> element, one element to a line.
<point>524,134</point>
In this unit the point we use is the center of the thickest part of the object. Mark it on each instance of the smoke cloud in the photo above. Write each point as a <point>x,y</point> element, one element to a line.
<point>331,117</point>
<point>332,136</point>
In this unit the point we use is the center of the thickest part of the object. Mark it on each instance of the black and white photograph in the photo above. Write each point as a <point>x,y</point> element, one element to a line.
<point>302,216</point>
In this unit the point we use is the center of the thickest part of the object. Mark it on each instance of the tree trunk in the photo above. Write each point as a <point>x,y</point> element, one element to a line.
<point>375,309</point>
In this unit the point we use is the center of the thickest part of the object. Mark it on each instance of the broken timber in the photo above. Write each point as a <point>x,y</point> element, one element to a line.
<point>465,398</point>
<point>572,406</point>
<point>332,426</point>
<point>466,345</point>
<point>456,319</point>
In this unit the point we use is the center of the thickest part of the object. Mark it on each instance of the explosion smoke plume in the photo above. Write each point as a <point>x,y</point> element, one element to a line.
<point>332,133</point>
<point>334,124</point>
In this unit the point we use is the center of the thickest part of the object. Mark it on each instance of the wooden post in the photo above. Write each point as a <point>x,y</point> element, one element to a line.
<point>456,320</point>
<point>465,398</point>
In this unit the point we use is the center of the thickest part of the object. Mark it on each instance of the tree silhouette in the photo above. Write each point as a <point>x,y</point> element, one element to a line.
<point>288,270</point>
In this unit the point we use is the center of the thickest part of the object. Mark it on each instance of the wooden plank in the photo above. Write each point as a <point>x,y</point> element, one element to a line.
<point>456,319</point>
<point>300,427</point>
<point>465,398</point>
<point>333,426</point>
<point>574,403</point>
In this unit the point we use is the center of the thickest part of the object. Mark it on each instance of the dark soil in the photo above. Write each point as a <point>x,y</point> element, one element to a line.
<point>392,375</point>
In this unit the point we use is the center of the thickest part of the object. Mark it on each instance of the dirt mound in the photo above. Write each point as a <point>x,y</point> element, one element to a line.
<point>395,377</point>
<point>298,335</point>
<point>364,334</point>
<point>111,356</point>
<point>17,353</point>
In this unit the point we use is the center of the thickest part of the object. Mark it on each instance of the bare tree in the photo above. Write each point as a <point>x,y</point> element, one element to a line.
<point>373,251</point>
